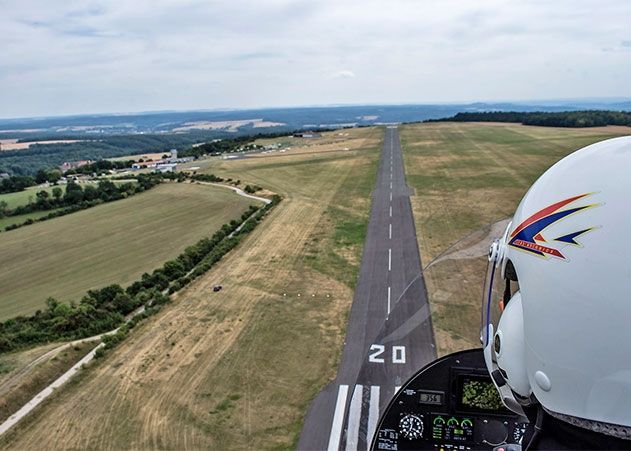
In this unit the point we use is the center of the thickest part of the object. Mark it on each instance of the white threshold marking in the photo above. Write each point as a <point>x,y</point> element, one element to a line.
<point>390,210</point>
<point>373,413</point>
<point>338,419</point>
<point>389,259</point>
<point>388,300</point>
<point>354,417</point>
<point>390,232</point>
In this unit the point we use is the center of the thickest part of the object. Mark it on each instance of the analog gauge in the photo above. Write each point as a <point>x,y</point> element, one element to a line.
<point>411,426</point>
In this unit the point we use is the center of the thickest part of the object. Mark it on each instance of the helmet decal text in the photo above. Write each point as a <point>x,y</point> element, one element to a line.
<point>528,237</point>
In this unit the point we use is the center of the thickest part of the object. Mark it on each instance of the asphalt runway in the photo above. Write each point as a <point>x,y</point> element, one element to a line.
<point>389,335</point>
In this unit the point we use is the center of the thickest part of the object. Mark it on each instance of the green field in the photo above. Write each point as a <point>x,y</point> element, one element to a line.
<point>25,197</point>
<point>467,177</point>
<point>111,243</point>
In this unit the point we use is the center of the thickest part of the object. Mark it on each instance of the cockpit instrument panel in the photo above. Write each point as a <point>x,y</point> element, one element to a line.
<point>451,404</point>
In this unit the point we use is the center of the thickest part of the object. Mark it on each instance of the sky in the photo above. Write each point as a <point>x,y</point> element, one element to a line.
<point>72,57</point>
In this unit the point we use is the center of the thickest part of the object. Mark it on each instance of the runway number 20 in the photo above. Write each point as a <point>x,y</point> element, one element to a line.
<point>376,352</point>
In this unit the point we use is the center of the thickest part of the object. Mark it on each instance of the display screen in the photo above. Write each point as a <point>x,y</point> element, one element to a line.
<point>478,393</point>
<point>431,397</point>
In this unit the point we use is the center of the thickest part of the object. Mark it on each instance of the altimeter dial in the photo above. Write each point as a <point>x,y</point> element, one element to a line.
<point>411,426</point>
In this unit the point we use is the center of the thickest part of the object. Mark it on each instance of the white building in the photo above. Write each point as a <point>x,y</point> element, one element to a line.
<point>166,167</point>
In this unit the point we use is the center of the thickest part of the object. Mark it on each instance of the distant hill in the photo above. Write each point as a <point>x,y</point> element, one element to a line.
<point>262,120</point>
<point>111,135</point>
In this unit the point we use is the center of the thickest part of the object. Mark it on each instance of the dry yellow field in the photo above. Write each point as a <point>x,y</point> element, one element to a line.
<point>13,144</point>
<point>235,369</point>
<point>468,178</point>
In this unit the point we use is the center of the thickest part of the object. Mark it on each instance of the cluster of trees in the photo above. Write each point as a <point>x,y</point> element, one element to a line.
<point>15,183</point>
<point>587,118</point>
<point>105,309</point>
<point>21,182</point>
<point>50,176</point>
<point>100,167</point>
<point>207,178</point>
<point>251,189</point>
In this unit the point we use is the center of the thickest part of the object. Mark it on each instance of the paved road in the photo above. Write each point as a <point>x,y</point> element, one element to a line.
<point>389,335</point>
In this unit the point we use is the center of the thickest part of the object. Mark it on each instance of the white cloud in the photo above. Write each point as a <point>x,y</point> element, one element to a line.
<point>344,74</point>
<point>98,56</point>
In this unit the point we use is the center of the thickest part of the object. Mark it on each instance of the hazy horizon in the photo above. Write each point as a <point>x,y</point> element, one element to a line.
<point>117,57</point>
<point>532,102</point>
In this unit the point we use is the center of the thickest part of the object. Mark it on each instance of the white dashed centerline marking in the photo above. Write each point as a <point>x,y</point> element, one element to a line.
<point>390,231</point>
<point>390,210</point>
<point>388,300</point>
<point>390,185</point>
<point>390,196</point>
<point>389,259</point>
<point>338,419</point>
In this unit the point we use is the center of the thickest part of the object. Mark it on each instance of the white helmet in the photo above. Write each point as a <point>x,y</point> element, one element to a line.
<point>557,310</point>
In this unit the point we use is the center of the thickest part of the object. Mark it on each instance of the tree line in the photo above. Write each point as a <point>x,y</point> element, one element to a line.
<point>101,167</point>
<point>105,309</point>
<point>587,118</point>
